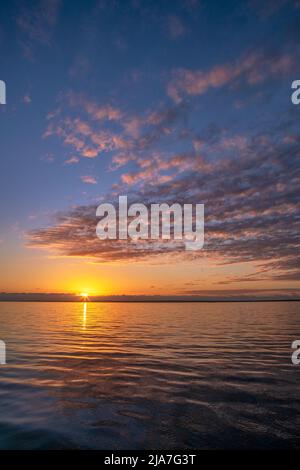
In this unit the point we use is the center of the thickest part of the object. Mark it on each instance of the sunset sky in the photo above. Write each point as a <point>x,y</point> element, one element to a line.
<point>163,101</point>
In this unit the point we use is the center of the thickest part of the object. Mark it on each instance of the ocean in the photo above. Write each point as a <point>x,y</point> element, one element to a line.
<point>149,375</point>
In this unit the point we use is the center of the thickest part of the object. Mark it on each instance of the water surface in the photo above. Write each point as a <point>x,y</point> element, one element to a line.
<point>145,375</point>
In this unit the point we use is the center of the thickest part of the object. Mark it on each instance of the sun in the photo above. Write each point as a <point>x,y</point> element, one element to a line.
<point>84,296</point>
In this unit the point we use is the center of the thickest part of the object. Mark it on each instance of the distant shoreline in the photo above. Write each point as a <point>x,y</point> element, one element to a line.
<point>151,301</point>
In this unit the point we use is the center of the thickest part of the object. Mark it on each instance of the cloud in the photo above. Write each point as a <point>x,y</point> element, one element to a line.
<point>251,199</point>
<point>84,138</point>
<point>253,68</point>
<point>175,27</point>
<point>153,168</point>
<point>121,159</point>
<point>49,158</point>
<point>92,129</point>
<point>26,99</point>
<point>88,179</point>
<point>97,112</point>
<point>36,23</point>
<point>72,161</point>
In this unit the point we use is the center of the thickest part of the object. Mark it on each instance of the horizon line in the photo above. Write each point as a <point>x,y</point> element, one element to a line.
<point>263,295</point>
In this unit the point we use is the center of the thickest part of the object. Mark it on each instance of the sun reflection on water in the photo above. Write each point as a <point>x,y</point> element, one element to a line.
<point>84,315</point>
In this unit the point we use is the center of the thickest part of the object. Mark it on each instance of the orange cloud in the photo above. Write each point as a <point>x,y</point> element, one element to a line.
<point>254,68</point>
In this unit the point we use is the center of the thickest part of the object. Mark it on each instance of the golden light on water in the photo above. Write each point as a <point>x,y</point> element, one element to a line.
<point>84,315</point>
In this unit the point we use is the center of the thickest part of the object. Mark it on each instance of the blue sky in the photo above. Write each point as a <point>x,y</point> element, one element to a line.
<point>154,100</point>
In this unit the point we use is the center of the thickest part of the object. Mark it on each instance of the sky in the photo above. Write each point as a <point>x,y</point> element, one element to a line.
<point>186,101</point>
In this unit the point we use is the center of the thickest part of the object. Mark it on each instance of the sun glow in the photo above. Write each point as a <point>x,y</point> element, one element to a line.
<point>84,296</point>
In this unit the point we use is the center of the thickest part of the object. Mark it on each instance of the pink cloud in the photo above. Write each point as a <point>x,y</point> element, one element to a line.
<point>255,68</point>
<point>87,141</point>
<point>122,159</point>
<point>72,160</point>
<point>26,99</point>
<point>98,112</point>
<point>88,179</point>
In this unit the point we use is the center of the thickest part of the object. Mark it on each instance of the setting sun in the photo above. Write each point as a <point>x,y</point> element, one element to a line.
<point>84,296</point>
